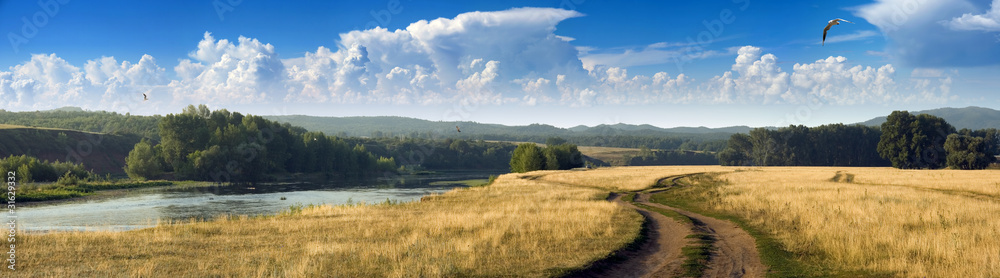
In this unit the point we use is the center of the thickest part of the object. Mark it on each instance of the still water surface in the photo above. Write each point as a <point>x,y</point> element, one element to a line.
<point>142,208</point>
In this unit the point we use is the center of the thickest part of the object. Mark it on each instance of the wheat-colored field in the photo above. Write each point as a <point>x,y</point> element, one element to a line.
<point>914,223</point>
<point>873,220</point>
<point>514,227</point>
<point>627,178</point>
<point>867,221</point>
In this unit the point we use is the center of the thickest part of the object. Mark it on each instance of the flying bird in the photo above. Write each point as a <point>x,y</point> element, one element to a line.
<point>459,129</point>
<point>828,25</point>
<point>144,97</point>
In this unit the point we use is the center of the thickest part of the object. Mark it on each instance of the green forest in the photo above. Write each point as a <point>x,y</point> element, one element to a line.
<point>904,141</point>
<point>619,135</point>
<point>229,147</point>
<point>797,145</point>
<point>440,154</point>
<point>92,121</point>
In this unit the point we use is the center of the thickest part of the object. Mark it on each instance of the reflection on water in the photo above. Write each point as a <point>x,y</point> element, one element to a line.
<point>144,207</point>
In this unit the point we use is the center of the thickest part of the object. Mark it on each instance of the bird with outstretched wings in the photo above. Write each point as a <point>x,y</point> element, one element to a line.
<point>830,24</point>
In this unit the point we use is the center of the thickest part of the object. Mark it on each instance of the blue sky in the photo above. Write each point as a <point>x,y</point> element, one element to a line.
<point>566,62</point>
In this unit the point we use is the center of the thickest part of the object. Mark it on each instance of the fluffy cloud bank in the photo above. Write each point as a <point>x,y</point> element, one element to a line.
<point>505,57</point>
<point>223,72</point>
<point>47,81</point>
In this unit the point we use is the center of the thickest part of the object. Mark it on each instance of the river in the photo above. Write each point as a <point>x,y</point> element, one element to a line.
<point>141,208</point>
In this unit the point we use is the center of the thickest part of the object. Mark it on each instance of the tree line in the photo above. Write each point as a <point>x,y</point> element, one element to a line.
<point>229,147</point>
<point>647,157</point>
<point>928,142</point>
<point>440,154</point>
<point>904,141</point>
<point>702,142</point>
<point>30,169</point>
<point>797,145</point>
<point>93,121</point>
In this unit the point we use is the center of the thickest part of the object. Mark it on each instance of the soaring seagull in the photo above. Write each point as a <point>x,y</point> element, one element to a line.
<point>828,25</point>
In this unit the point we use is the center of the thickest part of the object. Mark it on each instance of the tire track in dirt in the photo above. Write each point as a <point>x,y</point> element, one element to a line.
<point>659,254</point>
<point>735,253</point>
<point>848,178</point>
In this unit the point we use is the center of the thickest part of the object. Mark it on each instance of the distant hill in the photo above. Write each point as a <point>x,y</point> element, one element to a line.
<point>403,126</point>
<point>646,127</point>
<point>74,118</point>
<point>65,109</point>
<point>100,153</point>
<point>971,117</point>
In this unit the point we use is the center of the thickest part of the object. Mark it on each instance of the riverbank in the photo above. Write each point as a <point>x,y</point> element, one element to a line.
<point>54,193</point>
<point>36,192</point>
<point>513,227</point>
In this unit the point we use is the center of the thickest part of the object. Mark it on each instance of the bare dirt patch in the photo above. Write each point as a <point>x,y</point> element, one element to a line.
<point>735,252</point>
<point>659,254</point>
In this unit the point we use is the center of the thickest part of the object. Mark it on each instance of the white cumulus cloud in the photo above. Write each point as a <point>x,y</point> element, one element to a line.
<point>48,81</point>
<point>989,21</point>
<point>223,72</point>
<point>477,58</point>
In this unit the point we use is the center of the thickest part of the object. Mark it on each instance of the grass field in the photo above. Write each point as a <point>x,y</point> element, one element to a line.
<point>842,221</point>
<point>868,221</point>
<point>817,221</point>
<point>608,154</point>
<point>627,178</point>
<point>514,227</point>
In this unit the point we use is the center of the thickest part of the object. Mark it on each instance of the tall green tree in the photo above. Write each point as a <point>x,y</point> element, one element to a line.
<point>527,157</point>
<point>566,156</point>
<point>971,150</point>
<point>181,135</point>
<point>738,151</point>
<point>142,163</point>
<point>965,152</point>
<point>913,142</point>
<point>765,147</point>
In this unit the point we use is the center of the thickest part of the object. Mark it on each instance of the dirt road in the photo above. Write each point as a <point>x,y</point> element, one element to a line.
<point>735,252</point>
<point>658,256</point>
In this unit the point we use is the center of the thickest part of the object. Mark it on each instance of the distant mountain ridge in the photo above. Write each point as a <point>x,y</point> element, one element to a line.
<point>972,117</point>
<point>385,125</point>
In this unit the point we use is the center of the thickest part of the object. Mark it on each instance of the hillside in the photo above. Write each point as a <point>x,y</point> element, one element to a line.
<point>74,118</point>
<point>617,135</point>
<point>971,117</point>
<point>99,152</point>
<point>392,125</point>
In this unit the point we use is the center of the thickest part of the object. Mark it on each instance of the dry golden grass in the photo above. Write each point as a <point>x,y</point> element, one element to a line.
<point>901,229</point>
<point>626,178</point>
<point>607,154</point>
<point>514,228</point>
<point>957,181</point>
